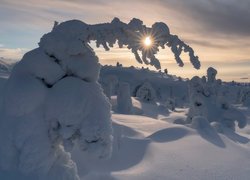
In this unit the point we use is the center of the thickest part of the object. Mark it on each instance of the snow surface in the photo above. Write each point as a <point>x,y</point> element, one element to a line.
<point>148,145</point>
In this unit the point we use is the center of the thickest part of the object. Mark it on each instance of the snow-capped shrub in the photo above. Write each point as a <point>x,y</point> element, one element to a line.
<point>208,101</point>
<point>124,102</point>
<point>146,92</point>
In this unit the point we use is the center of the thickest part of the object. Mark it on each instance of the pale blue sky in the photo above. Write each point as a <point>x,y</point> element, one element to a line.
<point>218,30</point>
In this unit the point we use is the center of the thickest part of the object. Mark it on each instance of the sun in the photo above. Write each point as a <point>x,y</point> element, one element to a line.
<point>147,41</point>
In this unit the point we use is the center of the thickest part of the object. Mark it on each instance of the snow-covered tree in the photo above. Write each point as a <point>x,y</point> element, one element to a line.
<point>207,101</point>
<point>52,99</point>
<point>245,96</point>
<point>211,75</point>
<point>170,104</point>
<point>118,64</point>
<point>124,101</point>
<point>108,83</point>
<point>146,92</point>
<point>166,71</point>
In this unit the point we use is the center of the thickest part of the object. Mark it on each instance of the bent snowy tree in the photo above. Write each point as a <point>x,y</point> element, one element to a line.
<point>129,35</point>
<point>53,101</point>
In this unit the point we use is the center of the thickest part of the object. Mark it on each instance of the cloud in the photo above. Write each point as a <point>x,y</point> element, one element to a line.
<point>244,78</point>
<point>14,54</point>
<point>224,17</point>
<point>206,43</point>
<point>202,17</point>
<point>1,45</point>
<point>46,11</point>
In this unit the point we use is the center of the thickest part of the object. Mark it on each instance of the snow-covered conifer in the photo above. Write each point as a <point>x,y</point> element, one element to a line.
<point>206,100</point>
<point>211,75</point>
<point>124,102</point>
<point>245,96</point>
<point>109,83</point>
<point>146,92</point>
<point>52,101</point>
<point>170,104</point>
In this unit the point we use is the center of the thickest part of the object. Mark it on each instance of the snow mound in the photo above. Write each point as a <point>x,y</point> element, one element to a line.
<point>169,134</point>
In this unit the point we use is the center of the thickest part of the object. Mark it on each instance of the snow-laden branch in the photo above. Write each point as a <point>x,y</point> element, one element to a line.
<point>72,36</point>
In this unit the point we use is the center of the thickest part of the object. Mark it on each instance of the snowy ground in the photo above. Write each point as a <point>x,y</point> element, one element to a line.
<point>148,146</point>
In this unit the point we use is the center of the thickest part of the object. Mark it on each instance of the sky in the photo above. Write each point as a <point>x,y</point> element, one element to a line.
<point>217,30</point>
